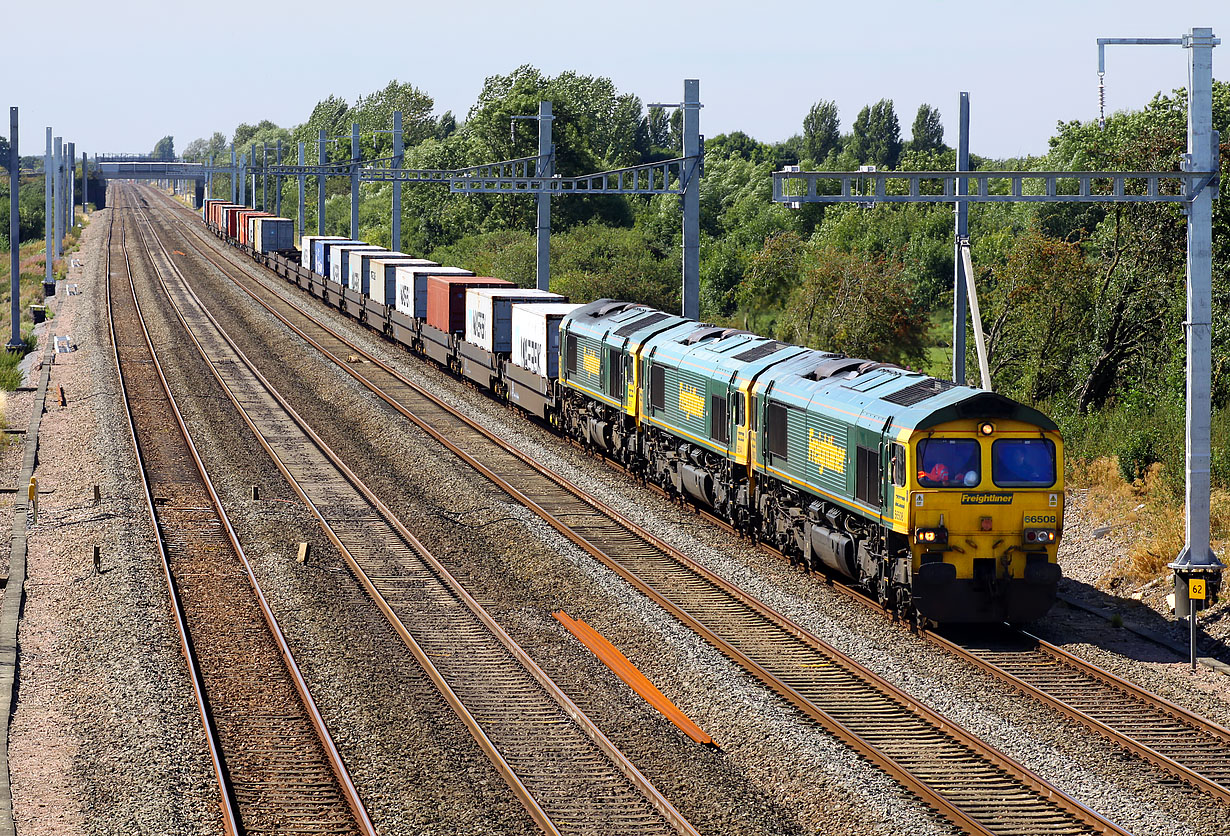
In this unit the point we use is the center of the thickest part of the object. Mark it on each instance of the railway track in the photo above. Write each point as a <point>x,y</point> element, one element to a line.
<point>565,772</point>
<point>966,781</point>
<point>1177,741</point>
<point>278,770</point>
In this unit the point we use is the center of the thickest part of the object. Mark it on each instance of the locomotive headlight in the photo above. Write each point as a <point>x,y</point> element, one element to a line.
<point>986,428</point>
<point>1039,536</point>
<point>931,536</point>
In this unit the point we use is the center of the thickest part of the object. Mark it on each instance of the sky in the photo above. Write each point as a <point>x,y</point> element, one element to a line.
<point>124,74</point>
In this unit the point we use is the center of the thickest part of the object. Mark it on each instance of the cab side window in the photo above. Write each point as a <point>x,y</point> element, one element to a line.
<point>897,464</point>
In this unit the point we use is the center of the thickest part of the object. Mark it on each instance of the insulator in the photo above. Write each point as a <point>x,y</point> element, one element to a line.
<point>1101,100</point>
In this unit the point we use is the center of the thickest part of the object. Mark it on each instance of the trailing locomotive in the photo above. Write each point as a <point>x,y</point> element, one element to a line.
<point>945,501</point>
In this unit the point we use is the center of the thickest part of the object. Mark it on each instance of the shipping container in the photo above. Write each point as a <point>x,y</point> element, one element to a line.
<point>535,337</point>
<point>339,262</point>
<point>488,322</point>
<point>361,264</point>
<point>230,219</point>
<point>446,299</point>
<point>243,227</point>
<point>323,258</point>
<point>274,235</point>
<point>382,276</point>
<point>248,236</point>
<point>307,246</point>
<point>412,287</point>
<point>216,218</point>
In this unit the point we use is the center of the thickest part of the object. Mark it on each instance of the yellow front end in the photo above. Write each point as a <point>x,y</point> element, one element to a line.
<point>985,513</point>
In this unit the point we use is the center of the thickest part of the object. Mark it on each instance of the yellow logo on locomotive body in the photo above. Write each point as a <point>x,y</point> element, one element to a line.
<point>591,362</point>
<point>824,452</point>
<point>986,499</point>
<point>691,402</point>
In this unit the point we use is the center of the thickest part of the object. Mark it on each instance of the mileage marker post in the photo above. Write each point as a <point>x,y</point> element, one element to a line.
<point>1196,591</point>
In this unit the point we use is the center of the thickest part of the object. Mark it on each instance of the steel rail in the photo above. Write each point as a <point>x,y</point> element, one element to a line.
<point>1211,743</point>
<point>618,759</point>
<point>333,757</point>
<point>873,751</point>
<point>229,807</point>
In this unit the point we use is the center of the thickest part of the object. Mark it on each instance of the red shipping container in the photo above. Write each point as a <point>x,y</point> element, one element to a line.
<point>244,217</point>
<point>231,217</point>
<point>446,299</point>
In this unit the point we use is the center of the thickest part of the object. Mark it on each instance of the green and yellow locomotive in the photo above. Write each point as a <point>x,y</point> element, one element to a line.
<point>942,499</point>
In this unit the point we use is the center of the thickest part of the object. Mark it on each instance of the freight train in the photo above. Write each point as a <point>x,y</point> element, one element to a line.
<point>944,501</point>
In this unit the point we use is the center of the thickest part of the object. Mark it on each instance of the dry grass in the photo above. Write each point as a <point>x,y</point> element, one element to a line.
<point>1147,509</point>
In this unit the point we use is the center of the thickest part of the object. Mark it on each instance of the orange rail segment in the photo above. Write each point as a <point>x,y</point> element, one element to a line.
<point>610,656</point>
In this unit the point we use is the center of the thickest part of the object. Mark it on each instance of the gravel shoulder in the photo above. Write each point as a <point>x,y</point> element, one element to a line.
<point>105,737</point>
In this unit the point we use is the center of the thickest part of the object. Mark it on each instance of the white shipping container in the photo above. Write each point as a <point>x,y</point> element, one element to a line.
<point>535,337</point>
<point>489,314</point>
<point>339,261</point>
<point>356,273</point>
<point>412,287</point>
<point>382,276</point>
<point>308,248</point>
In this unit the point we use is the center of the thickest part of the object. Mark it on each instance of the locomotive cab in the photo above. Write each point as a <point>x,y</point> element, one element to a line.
<point>985,512</point>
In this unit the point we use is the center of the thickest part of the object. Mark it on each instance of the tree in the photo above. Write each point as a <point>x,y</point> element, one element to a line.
<point>928,130</point>
<point>877,135</point>
<point>820,130</point>
<point>659,127</point>
<point>445,125</point>
<point>4,153</point>
<point>374,113</point>
<point>164,149</point>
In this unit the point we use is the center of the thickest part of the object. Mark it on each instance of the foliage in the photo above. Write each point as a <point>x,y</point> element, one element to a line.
<point>820,130</point>
<point>928,130</point>
<point>876,139</point>
<point>835,300</point>
<point>164,149</point>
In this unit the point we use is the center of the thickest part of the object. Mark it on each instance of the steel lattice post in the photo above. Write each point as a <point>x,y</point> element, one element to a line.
<point>320,183</point>
<point>14,235</point>
<point>354,180</point>
<point>1197,558</point>
<point>958,286</point>
<point>277,184</point>
<point>301,218</point>
<point>397,159</point>
<point>691,198</point>
<point>546,168</point>
<point>57,199</point>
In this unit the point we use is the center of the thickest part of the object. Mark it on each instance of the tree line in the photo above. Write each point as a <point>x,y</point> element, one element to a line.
<point>1082,304</point>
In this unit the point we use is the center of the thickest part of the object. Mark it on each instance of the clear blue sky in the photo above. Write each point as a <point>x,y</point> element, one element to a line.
<point>126,73</point>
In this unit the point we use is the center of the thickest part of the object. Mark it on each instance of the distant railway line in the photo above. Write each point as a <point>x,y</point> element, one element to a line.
<point>967,781</point>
